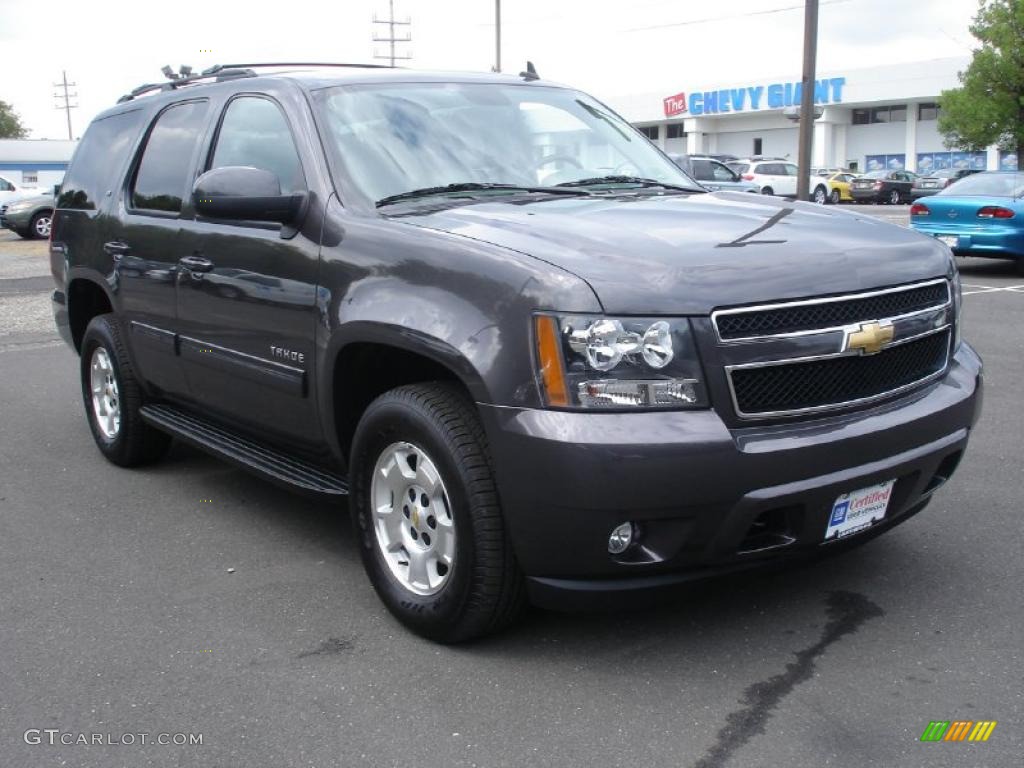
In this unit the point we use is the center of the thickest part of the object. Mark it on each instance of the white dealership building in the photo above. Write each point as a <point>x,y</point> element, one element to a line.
<point>880,117</point>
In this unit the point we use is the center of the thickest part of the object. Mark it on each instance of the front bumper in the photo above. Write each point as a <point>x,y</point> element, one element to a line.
<point>17,221</point>
<point>708,499</point>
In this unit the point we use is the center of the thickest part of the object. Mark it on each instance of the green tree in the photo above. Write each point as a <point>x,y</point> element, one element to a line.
<point>10,123</point>
<point>988,108</point>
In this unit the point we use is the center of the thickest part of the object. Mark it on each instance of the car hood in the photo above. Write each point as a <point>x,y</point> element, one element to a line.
<point>690,254</point>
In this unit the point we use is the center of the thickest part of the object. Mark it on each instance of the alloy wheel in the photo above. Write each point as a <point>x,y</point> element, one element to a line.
<point>106,402</point>
<point>412,518</point>
<point>41,227</point>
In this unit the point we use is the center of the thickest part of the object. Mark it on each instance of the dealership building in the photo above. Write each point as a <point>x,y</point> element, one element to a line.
<point>881,117</point>
<point>35,162</point>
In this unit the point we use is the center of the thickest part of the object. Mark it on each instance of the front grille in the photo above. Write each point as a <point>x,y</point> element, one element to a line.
<point>837,381</point>
<point>819,314</point>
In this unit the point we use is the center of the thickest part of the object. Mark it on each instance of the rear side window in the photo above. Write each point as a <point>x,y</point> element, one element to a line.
<point>254,132</point>
<point>98,159</point>
<point>161,181</point>
<point>702,170</point>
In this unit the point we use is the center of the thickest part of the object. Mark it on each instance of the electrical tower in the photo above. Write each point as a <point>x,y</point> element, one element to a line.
<point>66,97</point>
<point>391,36</point>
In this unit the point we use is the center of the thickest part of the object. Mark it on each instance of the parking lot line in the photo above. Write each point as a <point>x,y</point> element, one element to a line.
<point>994,289</point>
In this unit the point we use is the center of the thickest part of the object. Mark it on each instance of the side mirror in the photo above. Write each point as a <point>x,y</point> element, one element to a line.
<point>244,193</point>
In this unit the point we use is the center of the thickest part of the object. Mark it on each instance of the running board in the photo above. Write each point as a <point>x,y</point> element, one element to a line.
<point>270,463</point>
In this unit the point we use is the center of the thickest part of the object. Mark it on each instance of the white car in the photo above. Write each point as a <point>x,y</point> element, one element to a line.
<point>778,176</point>
<point>9,190</point>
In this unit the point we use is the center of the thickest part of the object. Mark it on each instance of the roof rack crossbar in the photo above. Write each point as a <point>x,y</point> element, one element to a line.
<point>231,71</point>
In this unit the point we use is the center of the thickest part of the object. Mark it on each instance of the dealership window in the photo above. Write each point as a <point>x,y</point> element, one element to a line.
<point>650,131</point>
<point>758,145</point>
<point>928,111</point>
<point>675,131</point>
<point>30,177</point>
<point>892,114</point>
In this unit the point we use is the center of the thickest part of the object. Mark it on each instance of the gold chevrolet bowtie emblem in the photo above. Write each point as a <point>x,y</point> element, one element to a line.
<point>869,338</point>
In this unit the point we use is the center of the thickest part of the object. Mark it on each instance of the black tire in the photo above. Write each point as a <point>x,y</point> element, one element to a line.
<point>39,229</point>
<point>1019,262</point>
<point>894,197</point>
<point>484,590</point>
<point>767,191</point>
<point>820,195</point>
<point>134,443</point>
<point>834,197</point>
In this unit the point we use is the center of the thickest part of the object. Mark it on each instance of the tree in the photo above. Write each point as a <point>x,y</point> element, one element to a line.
<point>10,123</point>
<point>988,108</point>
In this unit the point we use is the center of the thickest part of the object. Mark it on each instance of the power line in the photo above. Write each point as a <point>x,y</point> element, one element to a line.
<point>66,97</point>
<point>710,19</point>
<point>390,37</point>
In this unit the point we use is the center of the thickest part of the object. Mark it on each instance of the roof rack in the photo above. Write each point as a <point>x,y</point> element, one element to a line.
<point>221,72</point>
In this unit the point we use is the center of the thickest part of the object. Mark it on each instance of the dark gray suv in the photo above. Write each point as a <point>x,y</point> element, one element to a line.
<point>540,362</point>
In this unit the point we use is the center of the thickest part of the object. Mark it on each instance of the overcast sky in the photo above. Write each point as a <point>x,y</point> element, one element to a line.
<point>602,46</point>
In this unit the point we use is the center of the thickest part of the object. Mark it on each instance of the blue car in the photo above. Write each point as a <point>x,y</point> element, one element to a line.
<point>981,215</point>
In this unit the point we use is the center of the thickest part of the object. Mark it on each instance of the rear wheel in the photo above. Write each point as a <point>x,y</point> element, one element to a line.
<point>894,197</point>
<point>834,197</point>
<point>427,515</point>
<point>820,195</point>
<point>767,191</point>
<point>113,397</point>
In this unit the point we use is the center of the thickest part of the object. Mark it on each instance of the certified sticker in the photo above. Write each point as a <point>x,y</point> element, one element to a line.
<point>853,512</point>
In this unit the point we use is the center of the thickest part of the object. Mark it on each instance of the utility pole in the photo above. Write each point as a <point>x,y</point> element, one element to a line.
<point>391,38</point>
<point>497,35</point>
<point>803,181</point>
<point>66,98</point>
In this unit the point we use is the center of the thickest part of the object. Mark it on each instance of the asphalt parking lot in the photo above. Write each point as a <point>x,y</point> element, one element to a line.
<point>191,598</point>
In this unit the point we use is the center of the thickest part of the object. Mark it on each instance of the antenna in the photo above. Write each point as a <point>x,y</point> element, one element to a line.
<point>66,98</point>
<point>530,73</point>
<point>390,37</point>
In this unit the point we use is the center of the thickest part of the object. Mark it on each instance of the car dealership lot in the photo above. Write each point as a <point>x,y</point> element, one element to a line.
<point>189,597</point>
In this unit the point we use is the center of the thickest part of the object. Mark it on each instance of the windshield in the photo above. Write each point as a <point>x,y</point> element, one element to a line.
<point>876,175</point>
<point>988,184</point>
<point>394,139</point>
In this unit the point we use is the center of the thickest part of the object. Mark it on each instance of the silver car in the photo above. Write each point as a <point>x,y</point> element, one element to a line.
<point>713,174</point>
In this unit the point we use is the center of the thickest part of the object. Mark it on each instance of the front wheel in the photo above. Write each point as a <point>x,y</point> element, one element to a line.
<point>427,516</point>
<point>39,229</point>
<point>834,197</point>
<point>820,195</point>
<point>113,396</point>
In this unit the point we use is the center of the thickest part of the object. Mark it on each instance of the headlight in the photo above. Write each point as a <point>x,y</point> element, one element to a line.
<point>620,363</point>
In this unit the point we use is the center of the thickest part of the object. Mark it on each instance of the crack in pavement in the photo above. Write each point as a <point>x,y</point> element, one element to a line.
<point>846,611</point>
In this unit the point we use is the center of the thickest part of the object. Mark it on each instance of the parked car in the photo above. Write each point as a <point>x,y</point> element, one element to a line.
<point>891,187</point>
<point>776,176</point>
<point>569,392</point>
<point>937,181</point>
<point>713,174</point>
<point>29,215</point>
<point>980,215</point>
<point>839,186</point>
<point>9,190</point>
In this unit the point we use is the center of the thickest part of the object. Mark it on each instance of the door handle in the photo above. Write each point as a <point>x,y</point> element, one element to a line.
<point>196,263</point>
<point>116,248</point>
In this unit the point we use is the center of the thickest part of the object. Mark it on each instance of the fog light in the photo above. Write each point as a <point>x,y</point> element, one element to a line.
<point>621,538</point>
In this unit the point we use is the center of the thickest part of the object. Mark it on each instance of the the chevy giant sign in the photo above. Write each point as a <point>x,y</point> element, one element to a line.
<point>773,96</point>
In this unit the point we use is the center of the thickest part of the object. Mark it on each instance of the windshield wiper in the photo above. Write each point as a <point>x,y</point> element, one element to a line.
<point>635,180</point>
<point>472,186</point>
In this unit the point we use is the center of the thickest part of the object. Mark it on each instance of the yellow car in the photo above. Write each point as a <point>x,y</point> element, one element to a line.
<point>839,187</point>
